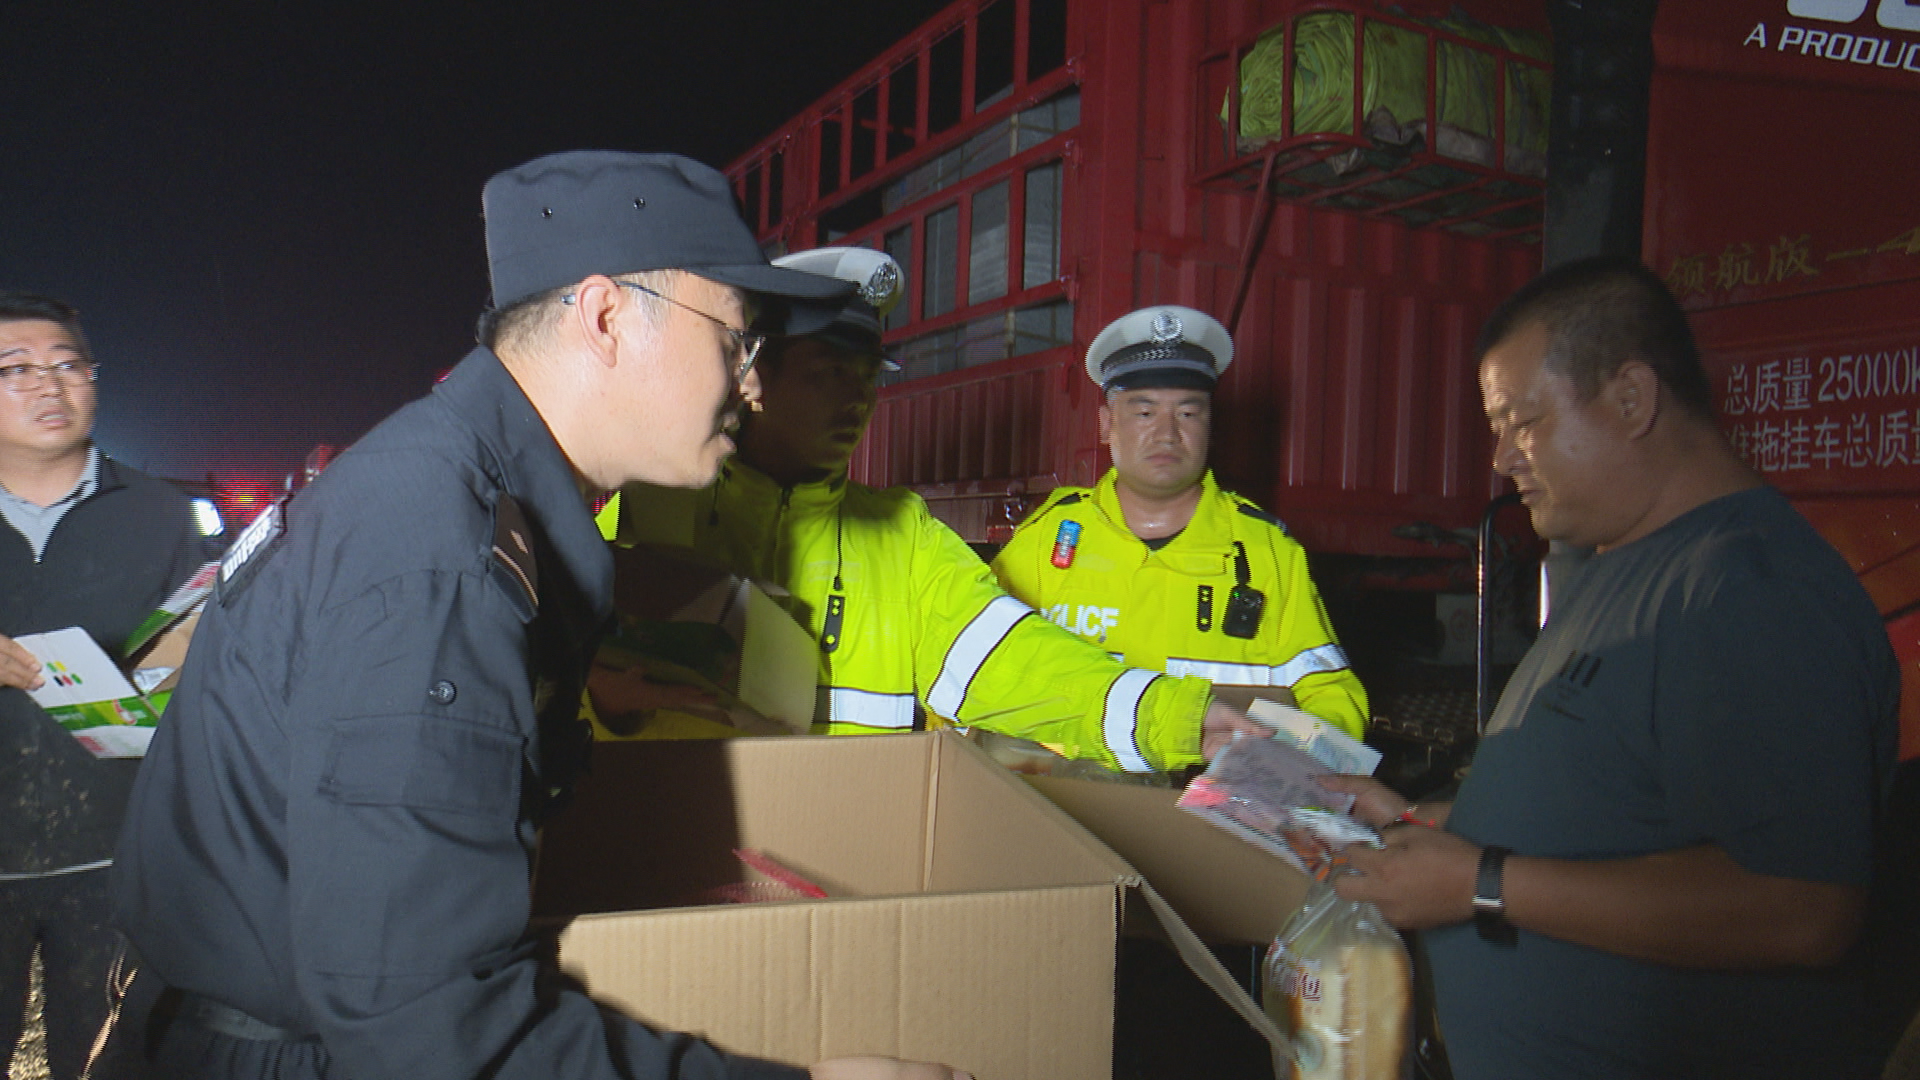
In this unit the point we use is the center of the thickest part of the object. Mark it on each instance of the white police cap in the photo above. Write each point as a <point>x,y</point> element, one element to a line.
<point>1164,345</point>
<point>875,273</point>
<point>856,320</point>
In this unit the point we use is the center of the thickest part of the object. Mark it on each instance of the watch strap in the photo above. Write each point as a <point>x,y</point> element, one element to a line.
<point>1489,898</point>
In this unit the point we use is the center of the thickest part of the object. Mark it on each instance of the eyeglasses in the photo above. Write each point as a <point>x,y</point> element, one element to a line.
<point>21,378</point>
<point>746,344</point>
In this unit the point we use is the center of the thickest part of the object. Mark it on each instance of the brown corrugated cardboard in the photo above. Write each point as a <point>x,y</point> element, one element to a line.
<point>773,668</point>
<point>1227,886</point>
<point>166,652</point>
<point>1201,882</point>
<point>969,920</point>
<point>1228,891</point>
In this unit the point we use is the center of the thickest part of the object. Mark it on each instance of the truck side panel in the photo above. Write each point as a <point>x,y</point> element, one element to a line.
<point>1353,405</point>
<point>1781,209</point>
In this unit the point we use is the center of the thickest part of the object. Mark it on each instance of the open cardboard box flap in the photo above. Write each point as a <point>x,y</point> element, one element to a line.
<point>1227,891</point>
<point>968,919</point>
<point>167,651</point>
<point>775,667</point>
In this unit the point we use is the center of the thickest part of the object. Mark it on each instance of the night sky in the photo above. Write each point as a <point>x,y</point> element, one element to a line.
<point>269,216</point>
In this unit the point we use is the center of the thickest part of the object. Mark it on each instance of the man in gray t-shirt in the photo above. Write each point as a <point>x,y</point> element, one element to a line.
<point>1665,845</point>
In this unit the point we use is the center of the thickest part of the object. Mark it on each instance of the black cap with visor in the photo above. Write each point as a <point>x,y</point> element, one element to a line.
<point>567,216</point>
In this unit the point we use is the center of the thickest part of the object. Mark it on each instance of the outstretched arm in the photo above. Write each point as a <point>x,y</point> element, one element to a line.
<point>1694,907</point>
<point>985,659</point>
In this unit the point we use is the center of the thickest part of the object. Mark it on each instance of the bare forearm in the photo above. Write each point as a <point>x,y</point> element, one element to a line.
<point>1694,907</point>
<point>1691,908</point>
<point>1380,806</point>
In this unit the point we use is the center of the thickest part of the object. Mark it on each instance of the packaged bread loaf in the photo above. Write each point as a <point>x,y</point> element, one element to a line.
<point>1338,982</point>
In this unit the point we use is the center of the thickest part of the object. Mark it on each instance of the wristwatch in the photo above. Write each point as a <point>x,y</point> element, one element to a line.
<point>1489,903</point>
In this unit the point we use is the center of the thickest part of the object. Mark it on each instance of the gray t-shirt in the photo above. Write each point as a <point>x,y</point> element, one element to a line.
<point>1723,681</point>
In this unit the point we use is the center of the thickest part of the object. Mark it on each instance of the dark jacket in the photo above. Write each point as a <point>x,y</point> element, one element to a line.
<point>109,563</point>
<point>334,828</point>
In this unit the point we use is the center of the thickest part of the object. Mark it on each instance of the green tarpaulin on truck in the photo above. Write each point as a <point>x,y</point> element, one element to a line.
<point>1393,87</point>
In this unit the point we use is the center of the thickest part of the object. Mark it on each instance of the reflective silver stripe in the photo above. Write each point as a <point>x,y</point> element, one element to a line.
<point>970,650</point>
<point>1328,657</point>
<point>1123,718</point>
<point>1231,674</point>
<point>845,705</point>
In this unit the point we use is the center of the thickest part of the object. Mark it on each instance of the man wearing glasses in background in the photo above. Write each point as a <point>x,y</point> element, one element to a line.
<point>329,854</point>
<point>91,543</point>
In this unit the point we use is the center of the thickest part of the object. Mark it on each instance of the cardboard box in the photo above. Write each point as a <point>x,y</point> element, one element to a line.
<point>85,693</point>
<point>774,669</point>
<point>1226,890</point>
<point>1219,888</point>
<point>113,709</point>
<point>155,669</point>
<point>968,919</point>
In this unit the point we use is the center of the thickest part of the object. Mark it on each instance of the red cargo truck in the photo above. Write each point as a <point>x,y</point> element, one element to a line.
<point>1352,186</point>
<point>1042,167</point>
<point>1783,144</point>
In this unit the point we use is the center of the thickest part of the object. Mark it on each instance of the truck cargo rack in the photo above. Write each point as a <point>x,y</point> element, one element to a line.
<point>1481,175</point>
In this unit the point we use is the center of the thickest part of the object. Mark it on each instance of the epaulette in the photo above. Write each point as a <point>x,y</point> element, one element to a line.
<point>1253,511</point>
<point>1052,500</point>
<point>512,550</point>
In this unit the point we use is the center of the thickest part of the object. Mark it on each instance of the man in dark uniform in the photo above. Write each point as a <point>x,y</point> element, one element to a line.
<point>87,542</point>
<point>329,853</point>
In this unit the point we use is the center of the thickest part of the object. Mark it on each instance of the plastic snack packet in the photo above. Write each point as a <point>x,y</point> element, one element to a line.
<point>1338,981</point>
<point>1265,792</point>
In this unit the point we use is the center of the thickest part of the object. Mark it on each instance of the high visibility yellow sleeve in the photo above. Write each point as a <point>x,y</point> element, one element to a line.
<point>1017,565</point>
<point>985,659</point>
<point>608,519</point>
<point>1302,628</point>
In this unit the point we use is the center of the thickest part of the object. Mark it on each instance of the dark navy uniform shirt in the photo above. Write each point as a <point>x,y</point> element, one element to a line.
<point>1724,680</point>
<point>334,828</point>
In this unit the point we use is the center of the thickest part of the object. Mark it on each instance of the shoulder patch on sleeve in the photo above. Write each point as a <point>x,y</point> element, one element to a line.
<point>251,550</point>
<point>513,546</point>
<point>1258,514</point>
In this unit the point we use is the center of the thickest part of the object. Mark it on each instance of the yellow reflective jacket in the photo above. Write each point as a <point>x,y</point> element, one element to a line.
<point>920,619</point>
<point>1171,610</point>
